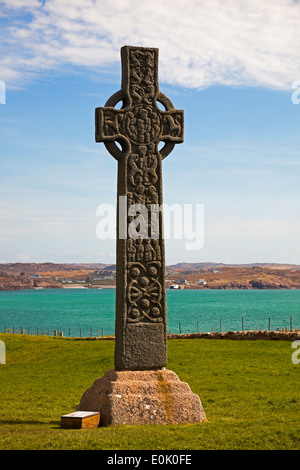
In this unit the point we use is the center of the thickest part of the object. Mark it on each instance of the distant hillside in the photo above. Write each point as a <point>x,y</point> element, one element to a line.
<point>38,268</point>
<point>203,275</point>
<point>208,265</point>
<point>15,276</point>
<point>217,276</point>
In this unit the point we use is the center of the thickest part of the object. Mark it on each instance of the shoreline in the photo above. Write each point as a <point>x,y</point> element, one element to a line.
<point>78,286</point>
<point>167,289</point>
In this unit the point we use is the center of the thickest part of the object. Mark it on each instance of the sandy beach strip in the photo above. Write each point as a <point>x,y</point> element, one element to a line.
<point>79,286</point>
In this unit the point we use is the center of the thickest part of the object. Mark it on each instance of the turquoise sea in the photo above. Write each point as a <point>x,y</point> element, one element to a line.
<point>83,312</point>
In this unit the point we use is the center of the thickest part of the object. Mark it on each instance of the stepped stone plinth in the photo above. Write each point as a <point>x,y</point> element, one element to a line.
<point>142,397</point>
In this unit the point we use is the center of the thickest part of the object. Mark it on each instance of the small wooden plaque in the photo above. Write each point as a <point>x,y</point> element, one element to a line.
<point>81,420</point>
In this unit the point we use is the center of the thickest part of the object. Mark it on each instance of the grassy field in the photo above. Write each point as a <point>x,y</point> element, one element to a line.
<point>249,391</point>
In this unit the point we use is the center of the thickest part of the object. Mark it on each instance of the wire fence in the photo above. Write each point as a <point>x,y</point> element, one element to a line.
<point>180,328</point>
<point>57,332</point>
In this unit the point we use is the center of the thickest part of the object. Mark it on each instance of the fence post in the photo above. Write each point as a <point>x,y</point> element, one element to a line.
<point>179,328</point>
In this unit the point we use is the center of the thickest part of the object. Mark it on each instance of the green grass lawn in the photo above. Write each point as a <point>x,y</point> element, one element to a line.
<point>249,391</point>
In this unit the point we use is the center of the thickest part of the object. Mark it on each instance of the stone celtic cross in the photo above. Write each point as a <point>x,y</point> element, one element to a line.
<point>138,127</point>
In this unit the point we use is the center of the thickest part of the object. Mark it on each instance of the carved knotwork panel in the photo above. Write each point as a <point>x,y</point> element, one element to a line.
<point>144,253</point>
<point>142,76</point>
<point>144,292</point>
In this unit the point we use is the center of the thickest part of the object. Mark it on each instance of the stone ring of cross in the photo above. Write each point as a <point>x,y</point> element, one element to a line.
<point>112,147</point>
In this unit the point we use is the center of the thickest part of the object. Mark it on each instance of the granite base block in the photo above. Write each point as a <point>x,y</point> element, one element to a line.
<point>142,397</point>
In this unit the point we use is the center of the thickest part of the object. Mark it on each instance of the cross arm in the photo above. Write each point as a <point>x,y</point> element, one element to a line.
<point>109,129</point>
<point>108,123</point>
<point>172,126</point>
<point>172,131</point>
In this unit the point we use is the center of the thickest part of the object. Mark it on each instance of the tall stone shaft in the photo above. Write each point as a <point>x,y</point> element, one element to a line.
<point>138,127</point>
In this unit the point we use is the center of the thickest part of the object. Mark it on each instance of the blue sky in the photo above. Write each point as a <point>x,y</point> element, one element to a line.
<point>230,65</point>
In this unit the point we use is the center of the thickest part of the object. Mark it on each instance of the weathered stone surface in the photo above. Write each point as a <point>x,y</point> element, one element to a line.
<point>142,397</point>
<point>138,127</point>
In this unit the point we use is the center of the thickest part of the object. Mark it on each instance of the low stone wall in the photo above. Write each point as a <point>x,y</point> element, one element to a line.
<point>240,335</point>
<point>236,335</point>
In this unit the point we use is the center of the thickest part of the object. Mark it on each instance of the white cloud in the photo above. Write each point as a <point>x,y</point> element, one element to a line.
<point>228,42</point>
